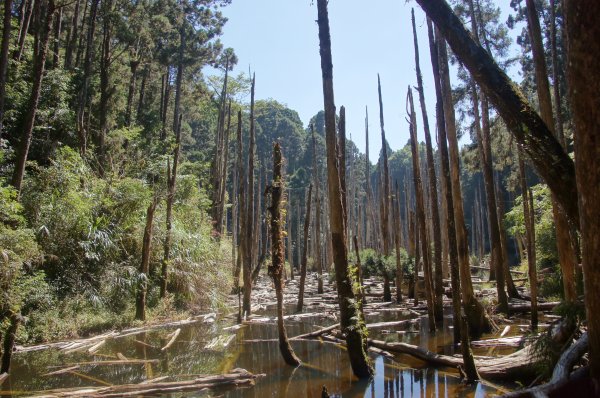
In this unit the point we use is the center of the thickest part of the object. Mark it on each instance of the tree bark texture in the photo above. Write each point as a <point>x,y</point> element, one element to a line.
<point>583,54</point>
<point>351,318</point>
<point>278,252</point>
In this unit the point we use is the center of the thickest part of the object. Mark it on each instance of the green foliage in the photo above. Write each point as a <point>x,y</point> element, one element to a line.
<point>374,264</point>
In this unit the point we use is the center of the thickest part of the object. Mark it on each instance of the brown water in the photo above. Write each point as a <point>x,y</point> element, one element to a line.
<point>323,363</point>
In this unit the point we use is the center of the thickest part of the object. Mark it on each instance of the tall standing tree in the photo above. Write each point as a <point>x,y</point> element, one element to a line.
<point>351,318</point>
<point>433,193</point>
<point>42,38</point>
<point>583,54</point>
<point>276,190</point>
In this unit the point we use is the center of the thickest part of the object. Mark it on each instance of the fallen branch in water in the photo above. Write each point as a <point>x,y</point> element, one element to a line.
<point>237,378</point>
<point>172,340</point>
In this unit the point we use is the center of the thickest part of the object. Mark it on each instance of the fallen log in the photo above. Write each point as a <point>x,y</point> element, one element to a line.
<point>3,376</point>
<point>237,378</point>
<point>517,365</point>
<point>316,333</point>
<point>561,373</point>
<point>172,340</point>
<point>116,362</point>
<point>526,307</point>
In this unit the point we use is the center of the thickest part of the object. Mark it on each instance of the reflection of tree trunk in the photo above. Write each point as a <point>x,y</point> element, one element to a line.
<point>304,252</point>
<point>478,320</point>
<point>433,195</point>
<point>351,319</point>
<point>140,302</point>
<point>421,215</point>
<point>278,253</point>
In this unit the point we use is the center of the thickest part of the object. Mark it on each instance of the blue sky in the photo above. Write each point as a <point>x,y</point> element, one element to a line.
<point>277,39</point>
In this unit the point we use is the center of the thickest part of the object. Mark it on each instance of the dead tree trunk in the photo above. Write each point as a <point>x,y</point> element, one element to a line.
<point>525,125</point>
<point>36,90</point>
<point>304,252</point>
<point>385,233</point>
<point>433,194</point>
<point>351,318</point>
<point>142,289</point>
<point>564,243</point>
<point>446,184</point>
<point>478,320</point>
<point>278,252</point>
<point>317,236</point>
<point>399,271</point>
<point>241,204</point>
<point>72,36</point>
<point>421,215</point>
<point>249,231</point>
<point>171,187</point>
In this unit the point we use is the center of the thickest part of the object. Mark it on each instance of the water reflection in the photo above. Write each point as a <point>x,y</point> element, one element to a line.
<point>208,349</point>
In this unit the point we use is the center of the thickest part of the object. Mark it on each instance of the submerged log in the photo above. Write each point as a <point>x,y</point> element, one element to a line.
<point>237,378</point>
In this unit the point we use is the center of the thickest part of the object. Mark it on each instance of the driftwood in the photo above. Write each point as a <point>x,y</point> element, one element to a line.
<point>172,340</point>
<point>237,378</point>
<point>561,373</point>
<point>3,377</point>
<point>116,362</point>
<point>88,343</point>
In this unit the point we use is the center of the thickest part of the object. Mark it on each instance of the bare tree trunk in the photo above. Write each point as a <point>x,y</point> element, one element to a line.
<point>9,341</point>
<point>421,215</point>
<point>134,62</point>
<point>171,187</point>
<point>249,231</point>
<point>584,84</point>
<point>57,32</point>
<point>300,304</point>
<point>241,204</point>
<point>24,28</point>
<point>317,238</point>
<point>525,125</point>
<point>510,284</point>
<point>278,253</point>
<point>290,241</point>
<point>399,270</point>
<point>385,233</point>
<point>87,74</point>
<point>351,319</point>
<point>142,289</point>
<point>433,195</point>
<point>564,243</point>
<point>179,77</point>
<point>529,218</point>
<point>446,185</point>
<point>478,320</point>
<point>36,90</point>
<point>105,90</point>
<point>142,97</point>
<point>6,24</point>
<point>72,36</point>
